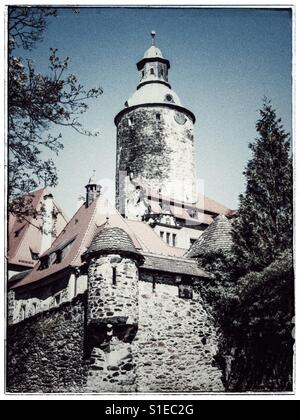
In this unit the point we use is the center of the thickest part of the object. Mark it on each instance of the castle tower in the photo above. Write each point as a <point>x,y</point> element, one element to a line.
<point>112,309</point>
<point>155,142</point>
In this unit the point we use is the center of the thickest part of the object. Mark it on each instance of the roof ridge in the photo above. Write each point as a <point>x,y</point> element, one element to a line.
<point>170,257</point>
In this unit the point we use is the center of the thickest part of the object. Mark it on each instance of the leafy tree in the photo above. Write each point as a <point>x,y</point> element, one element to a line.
<point>257,321</point>
<point>264,226</point>
<point>36,103</point>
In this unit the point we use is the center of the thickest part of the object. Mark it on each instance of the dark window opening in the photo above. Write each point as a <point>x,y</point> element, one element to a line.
<point>153,284</point>
<point>168,237</point>
<point>57,299</point>
<point>185,291</point>
<point>169,98</point>
<point>192,241</point>
<point>161,72</point>
<point>143,73</point>
<point>44,263</point>
<point>151,71</point>
<point>114,276</point>
<point>34,255</point>
<point>157,117</point>
<point>162,235</point>
<point>174,237</point>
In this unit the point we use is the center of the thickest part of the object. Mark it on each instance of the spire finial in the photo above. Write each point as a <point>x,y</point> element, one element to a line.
<point>153,34</point>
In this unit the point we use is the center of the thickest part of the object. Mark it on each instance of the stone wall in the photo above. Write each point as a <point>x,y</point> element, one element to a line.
<point>169,346</point>
<point>45,352</point>
<point>157,153</point>
<point>175,343</point>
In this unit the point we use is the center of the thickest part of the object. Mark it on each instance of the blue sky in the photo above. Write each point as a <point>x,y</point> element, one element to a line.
<point>223,61</point>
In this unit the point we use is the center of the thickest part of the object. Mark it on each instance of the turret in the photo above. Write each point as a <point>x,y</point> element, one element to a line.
<point>112,309</point>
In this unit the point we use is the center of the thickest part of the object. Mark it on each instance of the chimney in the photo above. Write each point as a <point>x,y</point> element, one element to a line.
<point>93,190</point>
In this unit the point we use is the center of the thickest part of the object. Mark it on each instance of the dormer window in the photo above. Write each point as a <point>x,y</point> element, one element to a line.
<point>44,262</point>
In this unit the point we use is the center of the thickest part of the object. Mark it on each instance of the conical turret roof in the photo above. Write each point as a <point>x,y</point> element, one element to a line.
<point>216,236</point>
<point>112,240</point>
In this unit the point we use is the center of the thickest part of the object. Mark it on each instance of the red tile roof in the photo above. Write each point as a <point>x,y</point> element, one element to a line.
<point>82,228</point>
<point>205,208</point>
<point>26,236</point>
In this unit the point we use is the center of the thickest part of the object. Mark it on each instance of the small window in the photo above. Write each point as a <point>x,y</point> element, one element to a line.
<point>34,255</point>
<point>168,237</point>
<point>185,291</point>
<point>23,312</point>
<point>162,235</point>
<point>192,241</point>
<point>157,117</point>
<point>151,71</point>
<point>57,299</point>
<point>143,73</point>
<point>44,263</point>
<point>161,72</point>
<point>174,237</point>
<point>169,98</point>
<point>114,276</point>
<point>153,284</point>
<point>34,308</point>
<point>130,121</point>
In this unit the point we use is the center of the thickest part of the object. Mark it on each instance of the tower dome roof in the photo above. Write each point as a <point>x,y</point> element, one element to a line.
<point>112,240</point>
<point>154,93</point>
<point>153,52</point>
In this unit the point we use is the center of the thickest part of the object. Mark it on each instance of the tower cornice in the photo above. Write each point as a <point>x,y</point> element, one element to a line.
<point>153,105</point>
<point>143,61</point>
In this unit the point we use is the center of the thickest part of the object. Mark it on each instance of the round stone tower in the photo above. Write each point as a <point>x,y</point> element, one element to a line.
<point>155,142</point>
<point>112,310</point>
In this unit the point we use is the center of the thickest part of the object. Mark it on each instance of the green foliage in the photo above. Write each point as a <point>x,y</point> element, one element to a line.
<point>256,320</point>
<point>263,228</point>
<point>36,103</point>
<point>220,265</point>
<point>251,292</point>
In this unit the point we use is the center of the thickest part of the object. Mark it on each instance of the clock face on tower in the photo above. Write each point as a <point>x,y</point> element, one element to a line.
<point>180,118</point>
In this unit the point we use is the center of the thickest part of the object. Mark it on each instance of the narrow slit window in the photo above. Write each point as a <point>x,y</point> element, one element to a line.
<point>174,237</point>
<point>114,276</point>
<point>157,117</point>
<point>153,284</point>
<point>130,121</point>
<point>168,237</point>
<point>23,312</point>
